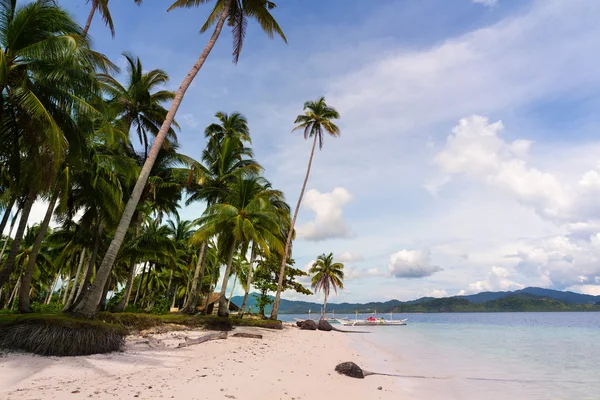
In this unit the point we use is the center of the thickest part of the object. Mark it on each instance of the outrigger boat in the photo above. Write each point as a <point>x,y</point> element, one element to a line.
<point>372,321</point>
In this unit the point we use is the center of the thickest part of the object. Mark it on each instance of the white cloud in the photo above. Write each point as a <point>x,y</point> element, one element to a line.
<point>437,293</point>
<point>412,264</point>
<point>497,281</point>
<point>487,3</point>
<point>349,257</point>
<point>329,220</point>
<point>594,290</point>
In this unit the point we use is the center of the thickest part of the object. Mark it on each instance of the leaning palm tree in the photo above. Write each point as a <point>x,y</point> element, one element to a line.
<point>316,121</point>
<point>236,12</point>
<point>102,7</point>
<point>327,275</point>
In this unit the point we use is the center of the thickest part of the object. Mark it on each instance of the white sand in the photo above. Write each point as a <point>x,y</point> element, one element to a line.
<point>289,364</point>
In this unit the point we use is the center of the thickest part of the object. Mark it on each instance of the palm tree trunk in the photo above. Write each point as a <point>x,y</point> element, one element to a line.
<point>170,280</point>
<point>192,299</point>
<point>13,294</point>
<point>137,292</point>
<point>24,297</point>
<point>105,293</point>
<point>7,269</point>
<point>6,215</point>
<point>88,305</point>
<point>324,306</point>
<point>232,289</point>
<point>174,297</point>
<point>249,280</point>
<point>67,282</point>
<point>210,290</point>
<point>223,308</point>
<point>75,283</point>
<point>87,278</point>
<point>51,291</point>
<point>128,287</point>
<point>12,225</point>
<point>290,234</point>
<point>90,18</point>
<point>147,283</point>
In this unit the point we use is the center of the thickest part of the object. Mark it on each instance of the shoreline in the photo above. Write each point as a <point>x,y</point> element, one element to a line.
<point>287,364</point>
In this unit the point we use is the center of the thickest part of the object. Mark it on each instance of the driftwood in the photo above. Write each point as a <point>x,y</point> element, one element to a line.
<point>354,371</point>
<point>247,335</point>
<point>202,339</point>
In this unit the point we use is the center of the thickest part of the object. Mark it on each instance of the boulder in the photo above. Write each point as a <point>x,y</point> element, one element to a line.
<point>299,323</point>
<point>350,369</point>
<point>309,325</point>
<point>324,326</point>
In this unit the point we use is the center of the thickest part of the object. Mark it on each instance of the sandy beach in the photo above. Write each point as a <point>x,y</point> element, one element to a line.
<point>289,364</point>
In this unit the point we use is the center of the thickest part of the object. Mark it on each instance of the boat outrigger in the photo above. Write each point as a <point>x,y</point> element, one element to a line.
<point>373,321</point>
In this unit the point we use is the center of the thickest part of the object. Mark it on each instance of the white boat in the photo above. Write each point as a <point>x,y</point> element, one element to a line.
<point>373,321</point>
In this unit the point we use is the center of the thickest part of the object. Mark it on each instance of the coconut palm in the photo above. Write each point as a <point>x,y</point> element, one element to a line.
<point>316,121</point>
<point>47,77</point>
<point>245,215</point>
<point>102,7</point>
<point>326,275</point>
<point>224,160</point>
<point>139,103</point>
<point>237,12</point>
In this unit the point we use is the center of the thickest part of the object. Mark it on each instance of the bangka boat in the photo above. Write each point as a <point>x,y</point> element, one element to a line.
<point>373,321</point>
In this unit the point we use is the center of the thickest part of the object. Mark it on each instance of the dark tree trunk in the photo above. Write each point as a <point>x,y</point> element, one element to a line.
<point>105,293</point>
<point>137,292</point>
<point>6,215</point>
<point>24,296</point>
<point>223,308</point>
<point>7,269</point>
<point>192,299</point>
<point>127,293</point>
<point>87,279</point>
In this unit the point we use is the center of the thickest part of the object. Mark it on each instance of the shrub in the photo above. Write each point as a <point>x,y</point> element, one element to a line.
<point>162,306</point>
<point>51,308</point>
<point>59,335</point>
<point>261,323</point>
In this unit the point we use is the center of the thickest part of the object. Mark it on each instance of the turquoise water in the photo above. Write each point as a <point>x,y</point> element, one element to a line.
<point>490,355</point>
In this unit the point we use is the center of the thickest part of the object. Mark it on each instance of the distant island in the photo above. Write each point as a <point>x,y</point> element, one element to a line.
<point>528,299</point>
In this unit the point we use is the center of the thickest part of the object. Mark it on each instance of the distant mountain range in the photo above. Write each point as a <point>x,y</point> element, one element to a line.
<point>528,299</point>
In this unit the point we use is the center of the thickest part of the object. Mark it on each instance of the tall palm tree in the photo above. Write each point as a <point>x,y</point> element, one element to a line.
<point>225,159</point>
<point>246,215</point>
<point>237,13</point>
<point>139,103</point>
<point>327,275</point>
<point>316,121</point>
<point>102,7</point>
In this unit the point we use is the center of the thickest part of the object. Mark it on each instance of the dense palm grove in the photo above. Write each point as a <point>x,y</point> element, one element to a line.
<point>98,147</point>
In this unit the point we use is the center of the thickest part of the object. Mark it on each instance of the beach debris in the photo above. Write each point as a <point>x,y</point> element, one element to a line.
<point>350,369</point>
<point>248,335</point>
<point>309,325</point>
<point>379,387</point>
<point>323,325</point>
<point>202,339</point>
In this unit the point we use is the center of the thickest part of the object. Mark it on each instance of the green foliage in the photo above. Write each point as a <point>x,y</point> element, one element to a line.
<point>161,306</point>
<point>51,308</point>
<point>59,335</point>
<point>266,278</point>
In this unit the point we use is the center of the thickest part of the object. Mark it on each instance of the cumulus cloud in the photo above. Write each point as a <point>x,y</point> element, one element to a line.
<point>476,150</point>
<point>329,219</point>
<point>349,257</point>
<point>412,264</point>
<point>437,293</point>
<point>487,3</point>
<point>497,280</point>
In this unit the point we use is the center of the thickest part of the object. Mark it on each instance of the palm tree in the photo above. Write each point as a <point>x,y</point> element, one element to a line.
<point>225,159</point>
<point>140,103</point>
<point>327,275</point>
<point>246,215</point>
<point>102,7</point>
<point>316,121</point>
<point>237,13</point>
<point>52,79</point>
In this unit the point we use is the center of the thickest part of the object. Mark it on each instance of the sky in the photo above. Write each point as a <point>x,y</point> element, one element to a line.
<point>469,158</point>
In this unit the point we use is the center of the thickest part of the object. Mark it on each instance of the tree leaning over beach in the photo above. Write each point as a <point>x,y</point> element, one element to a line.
<point>327,275</point>
<point>236,13</point>
<point>317,119</point>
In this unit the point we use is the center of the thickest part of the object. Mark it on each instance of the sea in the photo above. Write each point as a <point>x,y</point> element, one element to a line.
<point>491,356</point>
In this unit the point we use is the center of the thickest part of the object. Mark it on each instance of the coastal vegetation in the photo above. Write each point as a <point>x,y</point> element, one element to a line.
<point>98,148</point>
<point>326,275</point>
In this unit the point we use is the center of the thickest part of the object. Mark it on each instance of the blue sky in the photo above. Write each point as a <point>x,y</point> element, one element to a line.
<point>426,192</point>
